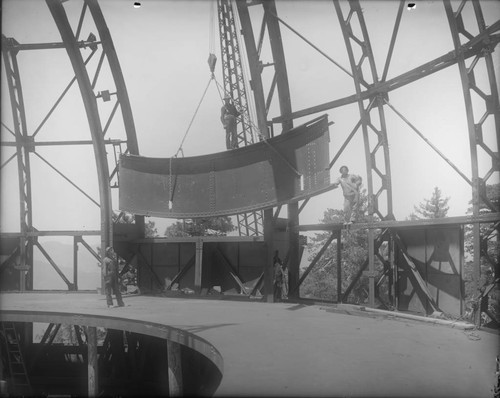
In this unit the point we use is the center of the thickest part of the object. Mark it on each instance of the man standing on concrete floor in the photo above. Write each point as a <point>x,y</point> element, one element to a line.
<point>350,184</point>
<point>110,273</point>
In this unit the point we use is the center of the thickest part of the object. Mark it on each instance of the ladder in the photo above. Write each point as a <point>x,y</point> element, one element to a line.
<point>19,381</point>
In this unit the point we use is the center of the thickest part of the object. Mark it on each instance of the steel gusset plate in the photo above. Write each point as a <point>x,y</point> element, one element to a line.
<point>255,177</point>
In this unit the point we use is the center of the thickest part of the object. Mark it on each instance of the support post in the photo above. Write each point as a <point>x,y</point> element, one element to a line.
<point>294,248</point>
<point>93,382</point>
<point>198,266</point>
<point>174,369</point>
<point>339,266</point>
<point>268,266</point>
<point>75,263</point>
<point>476,272</point>
<point>371,269</point>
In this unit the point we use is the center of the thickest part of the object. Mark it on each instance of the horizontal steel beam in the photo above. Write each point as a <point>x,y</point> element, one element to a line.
<point>194,239</point>
<point>13,45</point>
<point>485,40</point>
<point>50,233</point>
<point>483,218</point>
<point>50,143</point>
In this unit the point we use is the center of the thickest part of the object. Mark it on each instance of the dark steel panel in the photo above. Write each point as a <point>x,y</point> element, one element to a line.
<point>259,176</point>
<point>437,253</point>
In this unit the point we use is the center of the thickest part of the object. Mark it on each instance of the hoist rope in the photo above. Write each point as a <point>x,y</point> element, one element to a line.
<point>211,31</point>
<point>212,77</point>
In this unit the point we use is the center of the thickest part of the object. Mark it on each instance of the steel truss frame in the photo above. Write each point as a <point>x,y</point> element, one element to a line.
<point>27,144</point>
<point>372,95</point>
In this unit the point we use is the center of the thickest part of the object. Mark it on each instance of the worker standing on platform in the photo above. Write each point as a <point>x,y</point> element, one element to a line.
<point>277,276</point>
<point>110,273</point>
<point>228,115</point>
<point>350,184</point>
<point>284,284</point>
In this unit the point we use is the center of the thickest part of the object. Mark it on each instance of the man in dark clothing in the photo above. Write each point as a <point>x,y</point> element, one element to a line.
<point>110,273</point>
<point>228,116</point>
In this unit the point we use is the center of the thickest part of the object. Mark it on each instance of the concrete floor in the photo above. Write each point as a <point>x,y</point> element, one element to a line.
<point>286,349</point>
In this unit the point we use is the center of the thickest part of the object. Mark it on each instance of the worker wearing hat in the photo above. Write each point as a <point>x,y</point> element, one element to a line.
<point>350,184</point>
<point>111,283</point>
<point>228,117</point>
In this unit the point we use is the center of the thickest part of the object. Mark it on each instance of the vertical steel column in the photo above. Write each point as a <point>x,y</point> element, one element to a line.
<point>75,263</point>
<point>285,109</point>
<point>268,266</point>
<point>198,265</point>
<point>339,266</point>
<point>24,145</point>
<point>255,67</point>
<point>377,100</point>
<point>92,360</point>
<point>89,99</point>
<point>121,90</point>
<point>455,20</point>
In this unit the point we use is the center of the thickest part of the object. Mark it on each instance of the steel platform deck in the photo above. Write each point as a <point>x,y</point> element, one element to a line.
<point>285,349</point>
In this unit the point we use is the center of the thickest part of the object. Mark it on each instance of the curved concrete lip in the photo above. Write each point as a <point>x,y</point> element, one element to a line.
<point>285,349</point>
<point>162,331</point>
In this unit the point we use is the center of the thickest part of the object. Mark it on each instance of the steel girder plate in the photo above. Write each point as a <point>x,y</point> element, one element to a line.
<point>255,177</point>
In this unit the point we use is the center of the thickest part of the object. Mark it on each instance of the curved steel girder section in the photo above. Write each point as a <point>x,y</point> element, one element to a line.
<point>121,89</point>
<point>89,100</point>
<point>375,100</point>
<point>153,329</point>
<point>116,71</point>
<point>283,169</point>
<point>23,149</point>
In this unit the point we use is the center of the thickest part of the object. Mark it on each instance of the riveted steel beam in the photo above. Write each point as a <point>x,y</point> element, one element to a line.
<point>23,150</point>
<point>455,20</point>
<point>58,13</point>
<point>376,102</point>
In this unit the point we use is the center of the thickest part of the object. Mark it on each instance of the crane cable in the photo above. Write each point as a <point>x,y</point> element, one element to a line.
<point>211,50</point>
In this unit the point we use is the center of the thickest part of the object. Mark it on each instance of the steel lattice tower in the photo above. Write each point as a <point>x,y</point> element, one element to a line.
<point>249,224</point>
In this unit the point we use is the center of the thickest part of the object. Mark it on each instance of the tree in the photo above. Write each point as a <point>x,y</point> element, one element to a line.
<point>435,207</point>
<point>150,229</point>
<point>489,262</point>
<point>321,281</point>
<point>212,226</point>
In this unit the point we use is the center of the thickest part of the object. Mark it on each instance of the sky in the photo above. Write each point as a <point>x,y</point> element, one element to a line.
<point>163,48</point>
